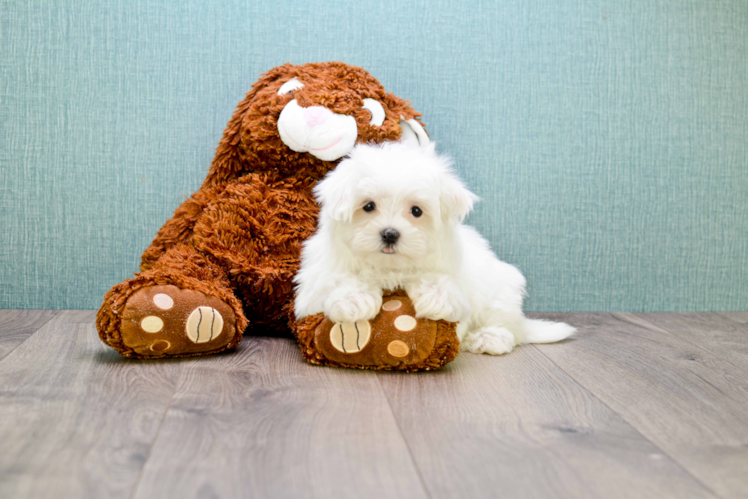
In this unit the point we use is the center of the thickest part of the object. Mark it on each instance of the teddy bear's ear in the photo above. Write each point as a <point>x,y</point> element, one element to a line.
<point>412,133</point>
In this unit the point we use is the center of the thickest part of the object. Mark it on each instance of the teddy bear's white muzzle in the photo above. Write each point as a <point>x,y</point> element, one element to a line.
<point>317,130</point>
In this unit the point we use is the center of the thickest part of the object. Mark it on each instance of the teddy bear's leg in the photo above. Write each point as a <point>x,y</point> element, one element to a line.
<point>255,230</point>
<point>184,305</point>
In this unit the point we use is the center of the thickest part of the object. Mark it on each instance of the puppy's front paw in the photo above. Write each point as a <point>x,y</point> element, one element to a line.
<point>439,301</point>
<point>350,305</point>
<point>490,340</point>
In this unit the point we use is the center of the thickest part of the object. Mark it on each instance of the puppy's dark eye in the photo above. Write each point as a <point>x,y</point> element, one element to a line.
<point>369,207</point>
<point>416,211</point>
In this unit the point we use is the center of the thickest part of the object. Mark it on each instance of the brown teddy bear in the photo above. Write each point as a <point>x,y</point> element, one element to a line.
<point>225,262</point>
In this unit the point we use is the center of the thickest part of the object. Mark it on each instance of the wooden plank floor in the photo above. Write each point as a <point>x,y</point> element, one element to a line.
<point>636,405</point>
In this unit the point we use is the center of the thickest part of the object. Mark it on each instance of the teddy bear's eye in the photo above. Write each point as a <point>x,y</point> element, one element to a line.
<point>290,86</point>
<point>370,207</point>
<point>416,211</point>
<point>377,111</point>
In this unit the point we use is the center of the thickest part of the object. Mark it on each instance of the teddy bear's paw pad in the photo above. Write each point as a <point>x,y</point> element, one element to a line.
<point>392,305</point>
<point>350,337</point>
<point>204,324</point>
<point>398,348</point>
<point>168,321</point>
<point>393,338</point>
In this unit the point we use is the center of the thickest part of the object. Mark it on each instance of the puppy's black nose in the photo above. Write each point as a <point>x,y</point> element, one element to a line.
<point>390,236</point>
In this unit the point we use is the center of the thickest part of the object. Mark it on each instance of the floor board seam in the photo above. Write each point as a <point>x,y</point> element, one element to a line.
<point>680,338</point>
<point>55,313</point>
<point>405,440</point>
<point>665,330</point>
<point>634,427</point>
<point>743,327</point>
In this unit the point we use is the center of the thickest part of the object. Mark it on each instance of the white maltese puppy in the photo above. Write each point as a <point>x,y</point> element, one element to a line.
<point>391,218</point>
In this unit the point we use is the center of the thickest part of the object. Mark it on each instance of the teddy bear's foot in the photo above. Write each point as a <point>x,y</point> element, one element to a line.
<point>394,340</point>
<point>165,321</point>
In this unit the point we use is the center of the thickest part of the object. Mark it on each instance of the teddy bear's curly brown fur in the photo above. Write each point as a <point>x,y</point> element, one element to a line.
<point>225,261</point>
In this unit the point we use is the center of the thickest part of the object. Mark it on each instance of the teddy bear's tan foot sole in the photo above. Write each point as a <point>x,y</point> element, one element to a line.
<point>163,321</point>
<point>393,338</point>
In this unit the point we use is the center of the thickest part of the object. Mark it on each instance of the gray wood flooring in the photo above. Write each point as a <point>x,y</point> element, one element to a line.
<point>636,405</point>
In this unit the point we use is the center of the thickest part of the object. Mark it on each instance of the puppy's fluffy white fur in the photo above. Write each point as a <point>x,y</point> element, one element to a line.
<point>446,267</point>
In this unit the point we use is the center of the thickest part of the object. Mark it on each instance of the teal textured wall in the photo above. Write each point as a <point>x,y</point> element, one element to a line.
<point>608,140</point>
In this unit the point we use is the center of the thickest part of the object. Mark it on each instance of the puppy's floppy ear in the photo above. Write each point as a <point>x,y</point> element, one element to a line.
<point>455,199</point>
<point>336,192</point>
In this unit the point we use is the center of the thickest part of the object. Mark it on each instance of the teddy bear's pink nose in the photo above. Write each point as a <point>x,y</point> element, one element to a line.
<point>316,115</point>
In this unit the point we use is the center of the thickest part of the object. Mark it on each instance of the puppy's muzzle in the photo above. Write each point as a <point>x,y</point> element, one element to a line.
<point>390,236</point>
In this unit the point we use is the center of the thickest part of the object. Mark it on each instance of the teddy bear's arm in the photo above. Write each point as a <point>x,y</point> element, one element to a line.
<point>228,163</point>
<point>178,229</point>
<point>227,166</point>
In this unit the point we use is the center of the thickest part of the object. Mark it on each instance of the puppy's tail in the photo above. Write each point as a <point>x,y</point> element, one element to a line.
<point>540,331</point>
